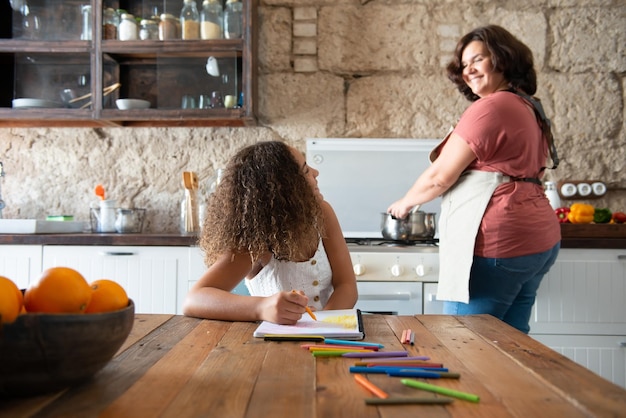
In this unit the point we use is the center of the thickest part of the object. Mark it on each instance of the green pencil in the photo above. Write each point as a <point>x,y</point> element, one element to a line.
<point>438,389</point>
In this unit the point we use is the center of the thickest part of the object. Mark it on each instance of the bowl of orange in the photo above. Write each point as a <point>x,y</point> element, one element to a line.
<point>46,349</point>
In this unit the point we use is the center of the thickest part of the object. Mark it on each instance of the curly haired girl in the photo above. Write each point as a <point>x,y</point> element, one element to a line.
<point>267,223</point>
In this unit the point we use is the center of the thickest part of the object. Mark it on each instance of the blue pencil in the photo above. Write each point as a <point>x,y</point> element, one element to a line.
<point>345,342</point>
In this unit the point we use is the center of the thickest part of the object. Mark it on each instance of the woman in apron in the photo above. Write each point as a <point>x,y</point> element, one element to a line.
<point>498,233</point>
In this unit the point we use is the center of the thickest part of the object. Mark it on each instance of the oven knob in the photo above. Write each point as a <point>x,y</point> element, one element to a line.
<point>420,270</point>
<point>359,269</point>
<point>396,270</point>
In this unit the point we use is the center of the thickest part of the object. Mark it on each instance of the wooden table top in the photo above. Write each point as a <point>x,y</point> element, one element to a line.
<point>175,366</point>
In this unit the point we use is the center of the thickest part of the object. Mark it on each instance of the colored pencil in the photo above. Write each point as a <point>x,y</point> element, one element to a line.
<point>364,347</point>
<point>403,359</point>
<point>346,342</point>
<point>441,390</point>
<point>308,310</point>
<point>404,401</point>
<point>363,381</point>
<point>369,354</point>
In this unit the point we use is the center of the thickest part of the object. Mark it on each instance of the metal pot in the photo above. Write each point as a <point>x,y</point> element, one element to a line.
<point>415,227</point>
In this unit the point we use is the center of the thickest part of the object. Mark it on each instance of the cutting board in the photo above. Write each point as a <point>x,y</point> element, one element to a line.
<point>34,226</point>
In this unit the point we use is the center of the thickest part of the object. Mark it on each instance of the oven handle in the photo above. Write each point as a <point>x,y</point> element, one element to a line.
<point>385,296</point>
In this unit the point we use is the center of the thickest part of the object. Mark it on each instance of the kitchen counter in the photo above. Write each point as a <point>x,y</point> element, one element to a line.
<point>176,366</point>
<point>574,236</point>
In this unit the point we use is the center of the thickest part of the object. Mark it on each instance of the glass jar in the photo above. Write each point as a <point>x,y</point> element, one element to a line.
<point>211,20</point>
<point>148,30</point>
<point>127,30</point>
<point>189,213</point>
<point>167,27</point>
<point>190,20</point>
<point>86,33</point>
<point>233,19</point>
<point>110,21</point>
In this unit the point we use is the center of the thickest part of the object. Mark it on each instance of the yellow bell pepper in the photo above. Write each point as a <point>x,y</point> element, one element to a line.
<point>580,213</point>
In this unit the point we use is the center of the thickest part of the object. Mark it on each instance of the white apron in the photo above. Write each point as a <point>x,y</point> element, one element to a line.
<point>462,209</point>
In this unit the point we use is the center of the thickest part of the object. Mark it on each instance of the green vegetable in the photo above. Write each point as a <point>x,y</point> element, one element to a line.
<point>602,216</point>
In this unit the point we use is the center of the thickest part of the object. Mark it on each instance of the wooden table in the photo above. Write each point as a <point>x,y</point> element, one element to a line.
<point>174,366</point>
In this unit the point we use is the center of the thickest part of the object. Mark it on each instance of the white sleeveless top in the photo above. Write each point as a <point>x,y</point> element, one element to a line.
<point>313,277</point>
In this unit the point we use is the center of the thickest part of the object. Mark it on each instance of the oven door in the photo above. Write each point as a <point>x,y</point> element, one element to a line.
<point>390,298</point>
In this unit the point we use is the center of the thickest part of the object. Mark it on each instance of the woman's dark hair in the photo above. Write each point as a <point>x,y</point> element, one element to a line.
<point>263,203</point>
<point>509,55</point>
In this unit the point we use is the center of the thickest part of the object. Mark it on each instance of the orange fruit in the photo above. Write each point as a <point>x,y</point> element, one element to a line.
<point>58,290</point>
<point>11,300</point>
<point>107,296</point>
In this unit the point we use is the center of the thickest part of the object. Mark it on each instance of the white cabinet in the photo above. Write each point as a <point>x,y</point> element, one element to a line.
<point>580,310</point>
<point>20,263</point>
<point>154,277</point>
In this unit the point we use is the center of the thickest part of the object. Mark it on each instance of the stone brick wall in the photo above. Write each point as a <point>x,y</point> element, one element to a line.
<point>347,68</point>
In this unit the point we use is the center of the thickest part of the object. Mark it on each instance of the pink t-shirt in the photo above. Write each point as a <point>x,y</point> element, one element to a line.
<point>504,134</point>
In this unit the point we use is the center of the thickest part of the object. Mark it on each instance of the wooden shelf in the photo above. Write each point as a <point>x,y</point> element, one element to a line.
<point>158,71</point>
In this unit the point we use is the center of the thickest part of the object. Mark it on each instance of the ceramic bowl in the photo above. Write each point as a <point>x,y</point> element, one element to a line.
<point>43,353</point>
<point>128,104</point>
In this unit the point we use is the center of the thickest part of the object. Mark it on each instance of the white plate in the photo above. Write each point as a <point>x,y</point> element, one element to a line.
<point>26,103</point>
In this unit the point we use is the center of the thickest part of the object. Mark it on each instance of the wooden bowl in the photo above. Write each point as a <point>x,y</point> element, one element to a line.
<point>42,353</point>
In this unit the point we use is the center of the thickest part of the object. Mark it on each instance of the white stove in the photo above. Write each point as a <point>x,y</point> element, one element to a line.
<point>360,178</point>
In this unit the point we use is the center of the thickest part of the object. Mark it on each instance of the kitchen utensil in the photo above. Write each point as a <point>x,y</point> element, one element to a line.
<point>416,226</point>
<point>30,103</point>
<point>129,220</point>
<point>128,104</point>
<point>103,216</point>
<point>99,190</point>
<point>189,207</point>
<point>105,92</point>
<point>212,68</point>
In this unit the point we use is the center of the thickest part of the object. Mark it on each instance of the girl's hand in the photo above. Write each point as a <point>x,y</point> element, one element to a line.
<point>284,308</point>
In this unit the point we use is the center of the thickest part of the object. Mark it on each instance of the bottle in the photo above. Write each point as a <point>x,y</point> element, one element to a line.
<point>211,20</point>
<point>110,21</point>
<point>86,34</point>
<point>233,19</point>
<point>190,20</point>
<point>552,194</point>
<point>148,30</point>
<point>127,30</point>
<point>167,27</point>
<point>213,182</point>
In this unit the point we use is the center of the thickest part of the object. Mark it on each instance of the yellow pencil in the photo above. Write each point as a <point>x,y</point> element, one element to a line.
<point>308,310</point>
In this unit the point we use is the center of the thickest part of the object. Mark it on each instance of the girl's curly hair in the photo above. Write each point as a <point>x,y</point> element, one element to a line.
<point>509,55</point>
<point>263,203</point>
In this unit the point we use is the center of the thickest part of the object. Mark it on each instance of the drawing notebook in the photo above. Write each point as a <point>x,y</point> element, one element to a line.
<point>342,323</point>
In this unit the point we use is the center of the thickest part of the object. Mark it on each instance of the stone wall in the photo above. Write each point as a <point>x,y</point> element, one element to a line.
<point>347,68</point>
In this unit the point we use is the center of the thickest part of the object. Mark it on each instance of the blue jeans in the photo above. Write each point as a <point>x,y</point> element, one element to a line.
<point>505,287</point>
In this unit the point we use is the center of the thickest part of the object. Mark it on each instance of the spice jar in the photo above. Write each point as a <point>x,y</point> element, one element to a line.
<point>190,20</point>
<point>211,20</point>
<point>167,27</point>
<point>127,30</point>
<point>110,21</point>
<point>148,30</point>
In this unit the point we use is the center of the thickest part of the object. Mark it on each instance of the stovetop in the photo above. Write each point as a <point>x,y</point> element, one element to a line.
<point>372,242</point>
<point>379,245</point>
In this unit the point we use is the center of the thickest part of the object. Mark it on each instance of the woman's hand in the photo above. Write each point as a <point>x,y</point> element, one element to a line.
<point>399,209</point>
<point>284,308</point>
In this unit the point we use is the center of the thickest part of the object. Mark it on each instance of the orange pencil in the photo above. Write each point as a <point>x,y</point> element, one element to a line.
<point>308,310</point>
<point>362,380</point>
